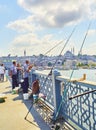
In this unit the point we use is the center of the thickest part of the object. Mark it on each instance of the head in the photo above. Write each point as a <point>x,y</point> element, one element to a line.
<point>2,64</point>
<point>18,64</point>
<point>14,62</point>
<point>27,61</point>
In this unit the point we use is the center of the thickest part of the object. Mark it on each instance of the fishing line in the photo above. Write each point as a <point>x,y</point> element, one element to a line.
<point>66,90</point>
<point>51,49</point>
<point>50,73</point>
<point>64,46</point>
<point>78,95</point>
<point>54,47</point>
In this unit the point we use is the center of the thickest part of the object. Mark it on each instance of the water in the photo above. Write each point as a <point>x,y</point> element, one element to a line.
<point>90,73</point>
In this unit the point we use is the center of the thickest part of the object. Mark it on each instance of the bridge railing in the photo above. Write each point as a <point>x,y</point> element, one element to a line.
<point>46,85</point>
<point>80,112</point>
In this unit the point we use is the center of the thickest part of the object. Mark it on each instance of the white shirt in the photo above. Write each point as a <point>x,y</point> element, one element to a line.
<point>2,70</point>
<point>13,69</point>
<point>25,70</point>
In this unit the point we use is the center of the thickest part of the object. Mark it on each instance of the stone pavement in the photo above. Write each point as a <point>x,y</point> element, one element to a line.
<point>14,109</point>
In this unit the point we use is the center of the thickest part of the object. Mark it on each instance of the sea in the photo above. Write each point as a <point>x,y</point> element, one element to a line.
<point>78,73</point>
<point>90,73</point>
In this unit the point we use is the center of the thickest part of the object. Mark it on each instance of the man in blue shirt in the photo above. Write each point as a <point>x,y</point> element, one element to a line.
<point>13,74</point>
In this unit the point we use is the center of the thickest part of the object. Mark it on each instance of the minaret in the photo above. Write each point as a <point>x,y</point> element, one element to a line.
<point>24,53</point>
<point>73,50</point>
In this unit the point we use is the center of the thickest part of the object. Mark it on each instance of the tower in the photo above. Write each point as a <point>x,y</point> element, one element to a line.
<point>24,52</point>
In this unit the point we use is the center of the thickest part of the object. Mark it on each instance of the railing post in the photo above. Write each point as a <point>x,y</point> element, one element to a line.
<point>56,91</point>
<point>33,75</point>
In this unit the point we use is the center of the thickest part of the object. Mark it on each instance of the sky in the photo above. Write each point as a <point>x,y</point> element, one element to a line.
<point>38,25</point>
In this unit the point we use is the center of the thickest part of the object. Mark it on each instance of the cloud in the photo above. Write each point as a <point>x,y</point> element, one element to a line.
<point>92,32</point>
<point>24,25</point>
<point>33,44</point>
<point>45,15</point>
<point>92,50</point>
<point>54,13</point>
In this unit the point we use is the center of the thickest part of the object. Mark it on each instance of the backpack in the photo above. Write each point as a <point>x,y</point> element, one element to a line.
<point>35,87</point>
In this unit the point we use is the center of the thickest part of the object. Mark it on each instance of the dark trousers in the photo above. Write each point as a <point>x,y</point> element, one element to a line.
<point>14,81</point>
<point>25,85</point>
<point>2,77</point>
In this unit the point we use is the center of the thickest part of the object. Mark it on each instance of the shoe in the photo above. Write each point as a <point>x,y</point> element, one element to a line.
<point>13,92</point>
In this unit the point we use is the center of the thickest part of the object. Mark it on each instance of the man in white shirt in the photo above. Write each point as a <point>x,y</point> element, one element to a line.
<point>2,72</point>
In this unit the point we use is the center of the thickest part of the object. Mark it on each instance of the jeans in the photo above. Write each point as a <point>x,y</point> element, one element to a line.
<point>14,81</point>
<point>25,85</point>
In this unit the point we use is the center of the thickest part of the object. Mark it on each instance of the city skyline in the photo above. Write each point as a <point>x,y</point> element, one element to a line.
<point>37,26</point>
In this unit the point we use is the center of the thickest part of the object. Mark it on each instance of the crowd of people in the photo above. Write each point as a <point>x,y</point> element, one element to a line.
<point>18,73</point>
<point>19,76</point>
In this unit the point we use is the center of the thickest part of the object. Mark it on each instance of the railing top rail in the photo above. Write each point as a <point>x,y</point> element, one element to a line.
<point>62,78</point>
<point>74,80</point>
<point>40,72</point>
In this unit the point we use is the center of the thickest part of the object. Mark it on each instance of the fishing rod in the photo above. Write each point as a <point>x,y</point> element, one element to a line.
<point>81,47</point>
<point>54,47</point>
<point>81,51</point>
<point>62,49</point>
<point>84,38</point>
<point>54,64</point>
<point>66,90</point>
<point>64,46</point>
<point>50,73</point>
<point>78,95</point>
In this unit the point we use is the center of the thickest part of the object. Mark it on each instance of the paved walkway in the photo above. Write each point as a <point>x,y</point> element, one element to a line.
<point>13,111</point>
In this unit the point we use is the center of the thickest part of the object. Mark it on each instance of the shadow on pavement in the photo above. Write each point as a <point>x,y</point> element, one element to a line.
<point>37,118</point>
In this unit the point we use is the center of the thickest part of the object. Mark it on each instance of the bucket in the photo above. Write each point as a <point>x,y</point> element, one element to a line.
<point>35,97</point>
<point>25,96</point>
<point>22,80</point>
